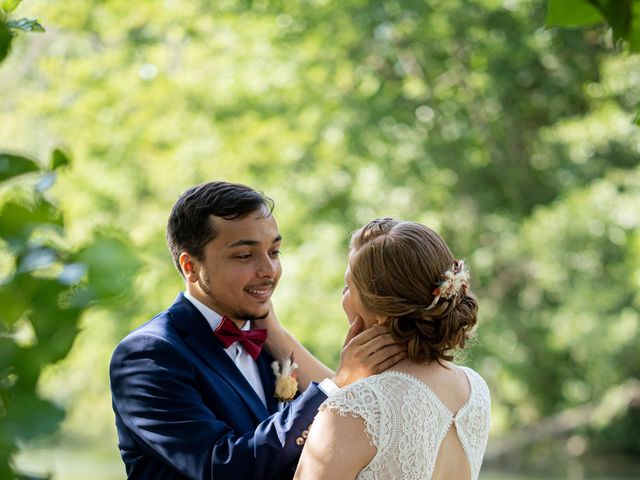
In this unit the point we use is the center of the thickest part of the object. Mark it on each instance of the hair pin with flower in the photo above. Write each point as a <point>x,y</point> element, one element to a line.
<point>286,379</point>
<point>454,282</point>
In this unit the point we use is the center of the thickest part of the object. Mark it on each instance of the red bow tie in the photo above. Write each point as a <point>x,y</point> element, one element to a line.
<point>252,340</point>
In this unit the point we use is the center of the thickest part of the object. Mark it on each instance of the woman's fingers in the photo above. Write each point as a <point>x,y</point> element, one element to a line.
<point>367,353</point>
<point>377,347</point>
<point>354,329</point>
<point>385,360</point>
<point>369,334</point>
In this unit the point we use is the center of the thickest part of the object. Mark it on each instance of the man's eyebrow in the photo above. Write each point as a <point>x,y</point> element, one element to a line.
<point>251,243</point>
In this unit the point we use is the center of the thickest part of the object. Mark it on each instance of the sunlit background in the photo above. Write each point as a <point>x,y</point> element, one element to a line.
<point>514,141</point>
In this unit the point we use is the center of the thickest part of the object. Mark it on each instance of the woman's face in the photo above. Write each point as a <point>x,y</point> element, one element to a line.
<point>352,303</point>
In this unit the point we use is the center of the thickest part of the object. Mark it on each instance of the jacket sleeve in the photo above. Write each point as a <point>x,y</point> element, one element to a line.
<point>154,389</point>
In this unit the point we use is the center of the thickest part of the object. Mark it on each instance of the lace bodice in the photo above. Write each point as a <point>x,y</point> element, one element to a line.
<point>407,422</point>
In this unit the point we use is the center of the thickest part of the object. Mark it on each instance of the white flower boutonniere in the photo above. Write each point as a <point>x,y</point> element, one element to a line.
<point>286,379</point>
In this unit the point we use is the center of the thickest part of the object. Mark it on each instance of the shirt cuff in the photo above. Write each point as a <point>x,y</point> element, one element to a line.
<point>328,387</point>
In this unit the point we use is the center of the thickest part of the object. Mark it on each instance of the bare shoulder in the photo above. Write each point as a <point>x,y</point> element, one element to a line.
<point>337,447</point>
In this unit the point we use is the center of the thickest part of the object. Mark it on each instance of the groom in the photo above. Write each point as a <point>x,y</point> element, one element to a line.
<point>192,389</point>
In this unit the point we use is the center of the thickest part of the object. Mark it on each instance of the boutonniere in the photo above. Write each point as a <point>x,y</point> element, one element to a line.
<point>286,379</point>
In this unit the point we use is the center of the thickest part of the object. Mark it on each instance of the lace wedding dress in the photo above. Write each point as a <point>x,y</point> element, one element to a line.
<point>407,422</point>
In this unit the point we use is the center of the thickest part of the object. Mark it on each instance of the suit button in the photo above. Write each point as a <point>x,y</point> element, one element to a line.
<point>300,441</point>
<point>305,433</point>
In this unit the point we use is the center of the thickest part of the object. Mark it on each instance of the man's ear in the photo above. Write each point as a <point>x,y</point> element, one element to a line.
<point>189,267</point>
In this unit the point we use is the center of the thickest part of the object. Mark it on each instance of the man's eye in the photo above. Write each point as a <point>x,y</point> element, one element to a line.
<point>345,289</point>
<point>243,256</point>
<point>275,253</point>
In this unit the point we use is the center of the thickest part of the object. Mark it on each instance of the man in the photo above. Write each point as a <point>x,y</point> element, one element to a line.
<point>193,391</point>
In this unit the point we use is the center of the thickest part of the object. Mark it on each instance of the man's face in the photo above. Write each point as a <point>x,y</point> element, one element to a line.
<point>240,268</point>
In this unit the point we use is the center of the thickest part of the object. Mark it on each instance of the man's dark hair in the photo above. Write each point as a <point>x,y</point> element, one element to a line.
<point>190,226</point>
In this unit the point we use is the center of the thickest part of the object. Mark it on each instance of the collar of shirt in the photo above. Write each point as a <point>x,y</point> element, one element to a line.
<point>213,318</point>
<point>236,351</point>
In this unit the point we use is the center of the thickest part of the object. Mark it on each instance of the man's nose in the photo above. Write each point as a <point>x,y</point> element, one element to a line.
<point>267,266</point>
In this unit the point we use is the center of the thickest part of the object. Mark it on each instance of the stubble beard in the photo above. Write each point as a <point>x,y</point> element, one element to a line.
<point>205,286</point>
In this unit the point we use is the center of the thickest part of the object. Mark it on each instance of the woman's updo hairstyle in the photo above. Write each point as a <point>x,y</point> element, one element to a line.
<point>396,267</point>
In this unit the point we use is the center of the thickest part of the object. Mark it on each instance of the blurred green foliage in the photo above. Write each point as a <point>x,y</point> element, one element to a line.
<point>622,16</point>
<point>44,288</point>
<point>44,285</point>
<point>9,26</point>
<point>515,142</point>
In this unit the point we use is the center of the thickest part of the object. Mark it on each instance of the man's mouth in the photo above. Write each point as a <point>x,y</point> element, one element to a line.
<point>260,292</point>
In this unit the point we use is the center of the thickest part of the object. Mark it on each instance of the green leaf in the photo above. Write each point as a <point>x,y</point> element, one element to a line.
<point>29,417</point>
<point>8,351</point>
<point>26,25</point>
<point>14,165</point>
<point>14,304</point>
<point>619,17</point>
<point>5,41</point>
<point>19,219</point>
<point>59,158</point>
<point>10,5</point>
<point>634,29</point>
<point>55,323</point>
<point>634,42</point>
<point>572,13</point>
<point>112,265</point>
<point>55,329</point>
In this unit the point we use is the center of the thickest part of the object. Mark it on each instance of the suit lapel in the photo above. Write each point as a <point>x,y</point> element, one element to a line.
<point>268,380</point>
<point>201,339</point>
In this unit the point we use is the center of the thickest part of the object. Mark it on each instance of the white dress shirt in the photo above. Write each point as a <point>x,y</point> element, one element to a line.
<point>243,360</point>
<point>236,351</point>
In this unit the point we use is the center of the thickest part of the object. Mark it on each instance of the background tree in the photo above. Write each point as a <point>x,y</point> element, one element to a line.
<point>623,18</point>
<point>514,141</point>
<point>45,283</point>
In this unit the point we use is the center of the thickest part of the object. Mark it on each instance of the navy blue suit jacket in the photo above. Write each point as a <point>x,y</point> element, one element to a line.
<point>184,410</point>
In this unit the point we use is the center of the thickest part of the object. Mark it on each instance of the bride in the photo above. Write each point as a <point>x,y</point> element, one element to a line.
<point>426,418</point>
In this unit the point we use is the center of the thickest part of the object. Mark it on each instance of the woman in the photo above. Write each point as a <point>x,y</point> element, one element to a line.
<point>426,418</point>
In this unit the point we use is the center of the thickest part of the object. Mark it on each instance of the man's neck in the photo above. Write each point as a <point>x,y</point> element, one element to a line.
<point>202,297</point>
<point>205,300</point>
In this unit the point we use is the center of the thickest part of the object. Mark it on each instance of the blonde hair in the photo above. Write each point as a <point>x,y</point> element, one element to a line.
<point>396,266</point>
